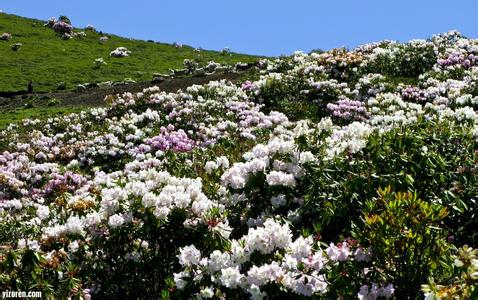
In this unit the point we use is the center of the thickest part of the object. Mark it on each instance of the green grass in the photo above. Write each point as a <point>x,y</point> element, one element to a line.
<point>46,59</point>
<point>15,116</point>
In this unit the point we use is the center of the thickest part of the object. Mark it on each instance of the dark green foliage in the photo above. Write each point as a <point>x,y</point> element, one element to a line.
<point>409,61</point>
<point>438,160</point>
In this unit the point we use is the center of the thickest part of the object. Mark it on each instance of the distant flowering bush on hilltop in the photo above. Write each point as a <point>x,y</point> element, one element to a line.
<point>5,36</point>
<point>120,52</point>
<point>60,26</point>
<point>99,62</point>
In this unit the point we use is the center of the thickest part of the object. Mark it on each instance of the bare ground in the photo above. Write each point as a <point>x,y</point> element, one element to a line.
<point>95,96</point>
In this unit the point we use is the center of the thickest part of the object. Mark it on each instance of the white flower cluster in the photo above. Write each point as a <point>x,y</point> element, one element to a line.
<point>373,292</point>
<point>221,162</point>
<point>227,268</point>
<point>120,52</point>
<point>259,160</point>
<point>390,110</point>
<point>351,138</point>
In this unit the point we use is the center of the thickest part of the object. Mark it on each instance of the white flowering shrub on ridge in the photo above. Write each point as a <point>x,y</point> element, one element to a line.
<point>120,52</point>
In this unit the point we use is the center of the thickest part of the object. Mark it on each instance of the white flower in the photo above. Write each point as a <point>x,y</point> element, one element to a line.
<point>74,225</point>
<point>222,161</point>
<point>316,261</point>
<point>218,260</point>
<point>308,285</point>
<point>280,178</point>
<point>43,212</point>
<point>340,253</point>
<point>256,293</point>
<point>22,243</point>
<point>144,245</point>
<point>266,239</point>
<point>231,277</point>
<point>306,157</point>
<point>238,253</point>
<point>223,228</point>
<point>386,291</point>
<point>278,201</point>
<point>259,276</point>
<point>260,151</point>
<point>179,281</point>
<point>210,167</point>
<point>73,246</point>
<point>363,255</point>
<point>32,245</point>
<point>301,247</point>
<point>363,293</point>
<point>161,212</point>
<point>149,200</point>
<point>116,221</point>
<point>93,218</point>
<point>207,292</point>
<point>290,262</point>
<point>238,182</point>
<point>189,256</point>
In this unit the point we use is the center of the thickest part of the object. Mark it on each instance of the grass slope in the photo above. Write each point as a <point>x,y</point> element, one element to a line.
<point>46,59</point>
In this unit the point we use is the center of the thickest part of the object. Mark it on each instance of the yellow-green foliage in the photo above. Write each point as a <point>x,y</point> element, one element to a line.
<point>405,236</point>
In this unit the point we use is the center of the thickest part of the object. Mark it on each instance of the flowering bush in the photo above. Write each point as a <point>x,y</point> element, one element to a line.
<point>99,62</point>
<point>5,36</point>
<point>265,188</point>
<point>464,285</point>
<point>62,28</point>
<point>225,51</point>
<point>16,46</point>
<point>120,52</point>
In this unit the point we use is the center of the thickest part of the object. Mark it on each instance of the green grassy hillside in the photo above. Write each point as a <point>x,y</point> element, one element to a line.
<point>46,59</point>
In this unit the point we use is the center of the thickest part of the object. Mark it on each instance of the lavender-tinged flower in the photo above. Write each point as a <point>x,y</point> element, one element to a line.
<point>348,110</point>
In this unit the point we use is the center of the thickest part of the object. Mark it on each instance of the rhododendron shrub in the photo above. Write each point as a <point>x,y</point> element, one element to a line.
<point>265,188</point>
<point>465,278</point>
<point>404,232</point>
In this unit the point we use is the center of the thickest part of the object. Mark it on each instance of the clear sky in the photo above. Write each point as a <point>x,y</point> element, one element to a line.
<point>266,27</point>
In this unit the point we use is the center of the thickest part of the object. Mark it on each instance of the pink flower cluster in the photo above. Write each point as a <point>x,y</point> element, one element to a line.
<point>248,86</point>
<point>177,141</point>
<point>59,26</point>
<point>68,181</point>
<point>348,110</point>
<point>414,94</point>
<point>62,27</point>
<point>457,58</point>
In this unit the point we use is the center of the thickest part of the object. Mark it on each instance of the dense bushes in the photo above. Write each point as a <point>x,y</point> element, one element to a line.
<point>436,159</point>
<point>361,186</point>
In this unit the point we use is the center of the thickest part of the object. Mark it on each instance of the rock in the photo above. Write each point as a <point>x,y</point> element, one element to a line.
<point>80,88</point>
<point>199,72</point>
<point>180,72</point>
<point>157,79</point>
<point>92,86</point>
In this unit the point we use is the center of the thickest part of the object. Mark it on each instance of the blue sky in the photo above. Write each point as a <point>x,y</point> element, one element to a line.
<point>262,26</point>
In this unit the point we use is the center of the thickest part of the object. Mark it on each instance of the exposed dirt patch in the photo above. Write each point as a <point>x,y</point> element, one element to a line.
<point>95,96</point>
